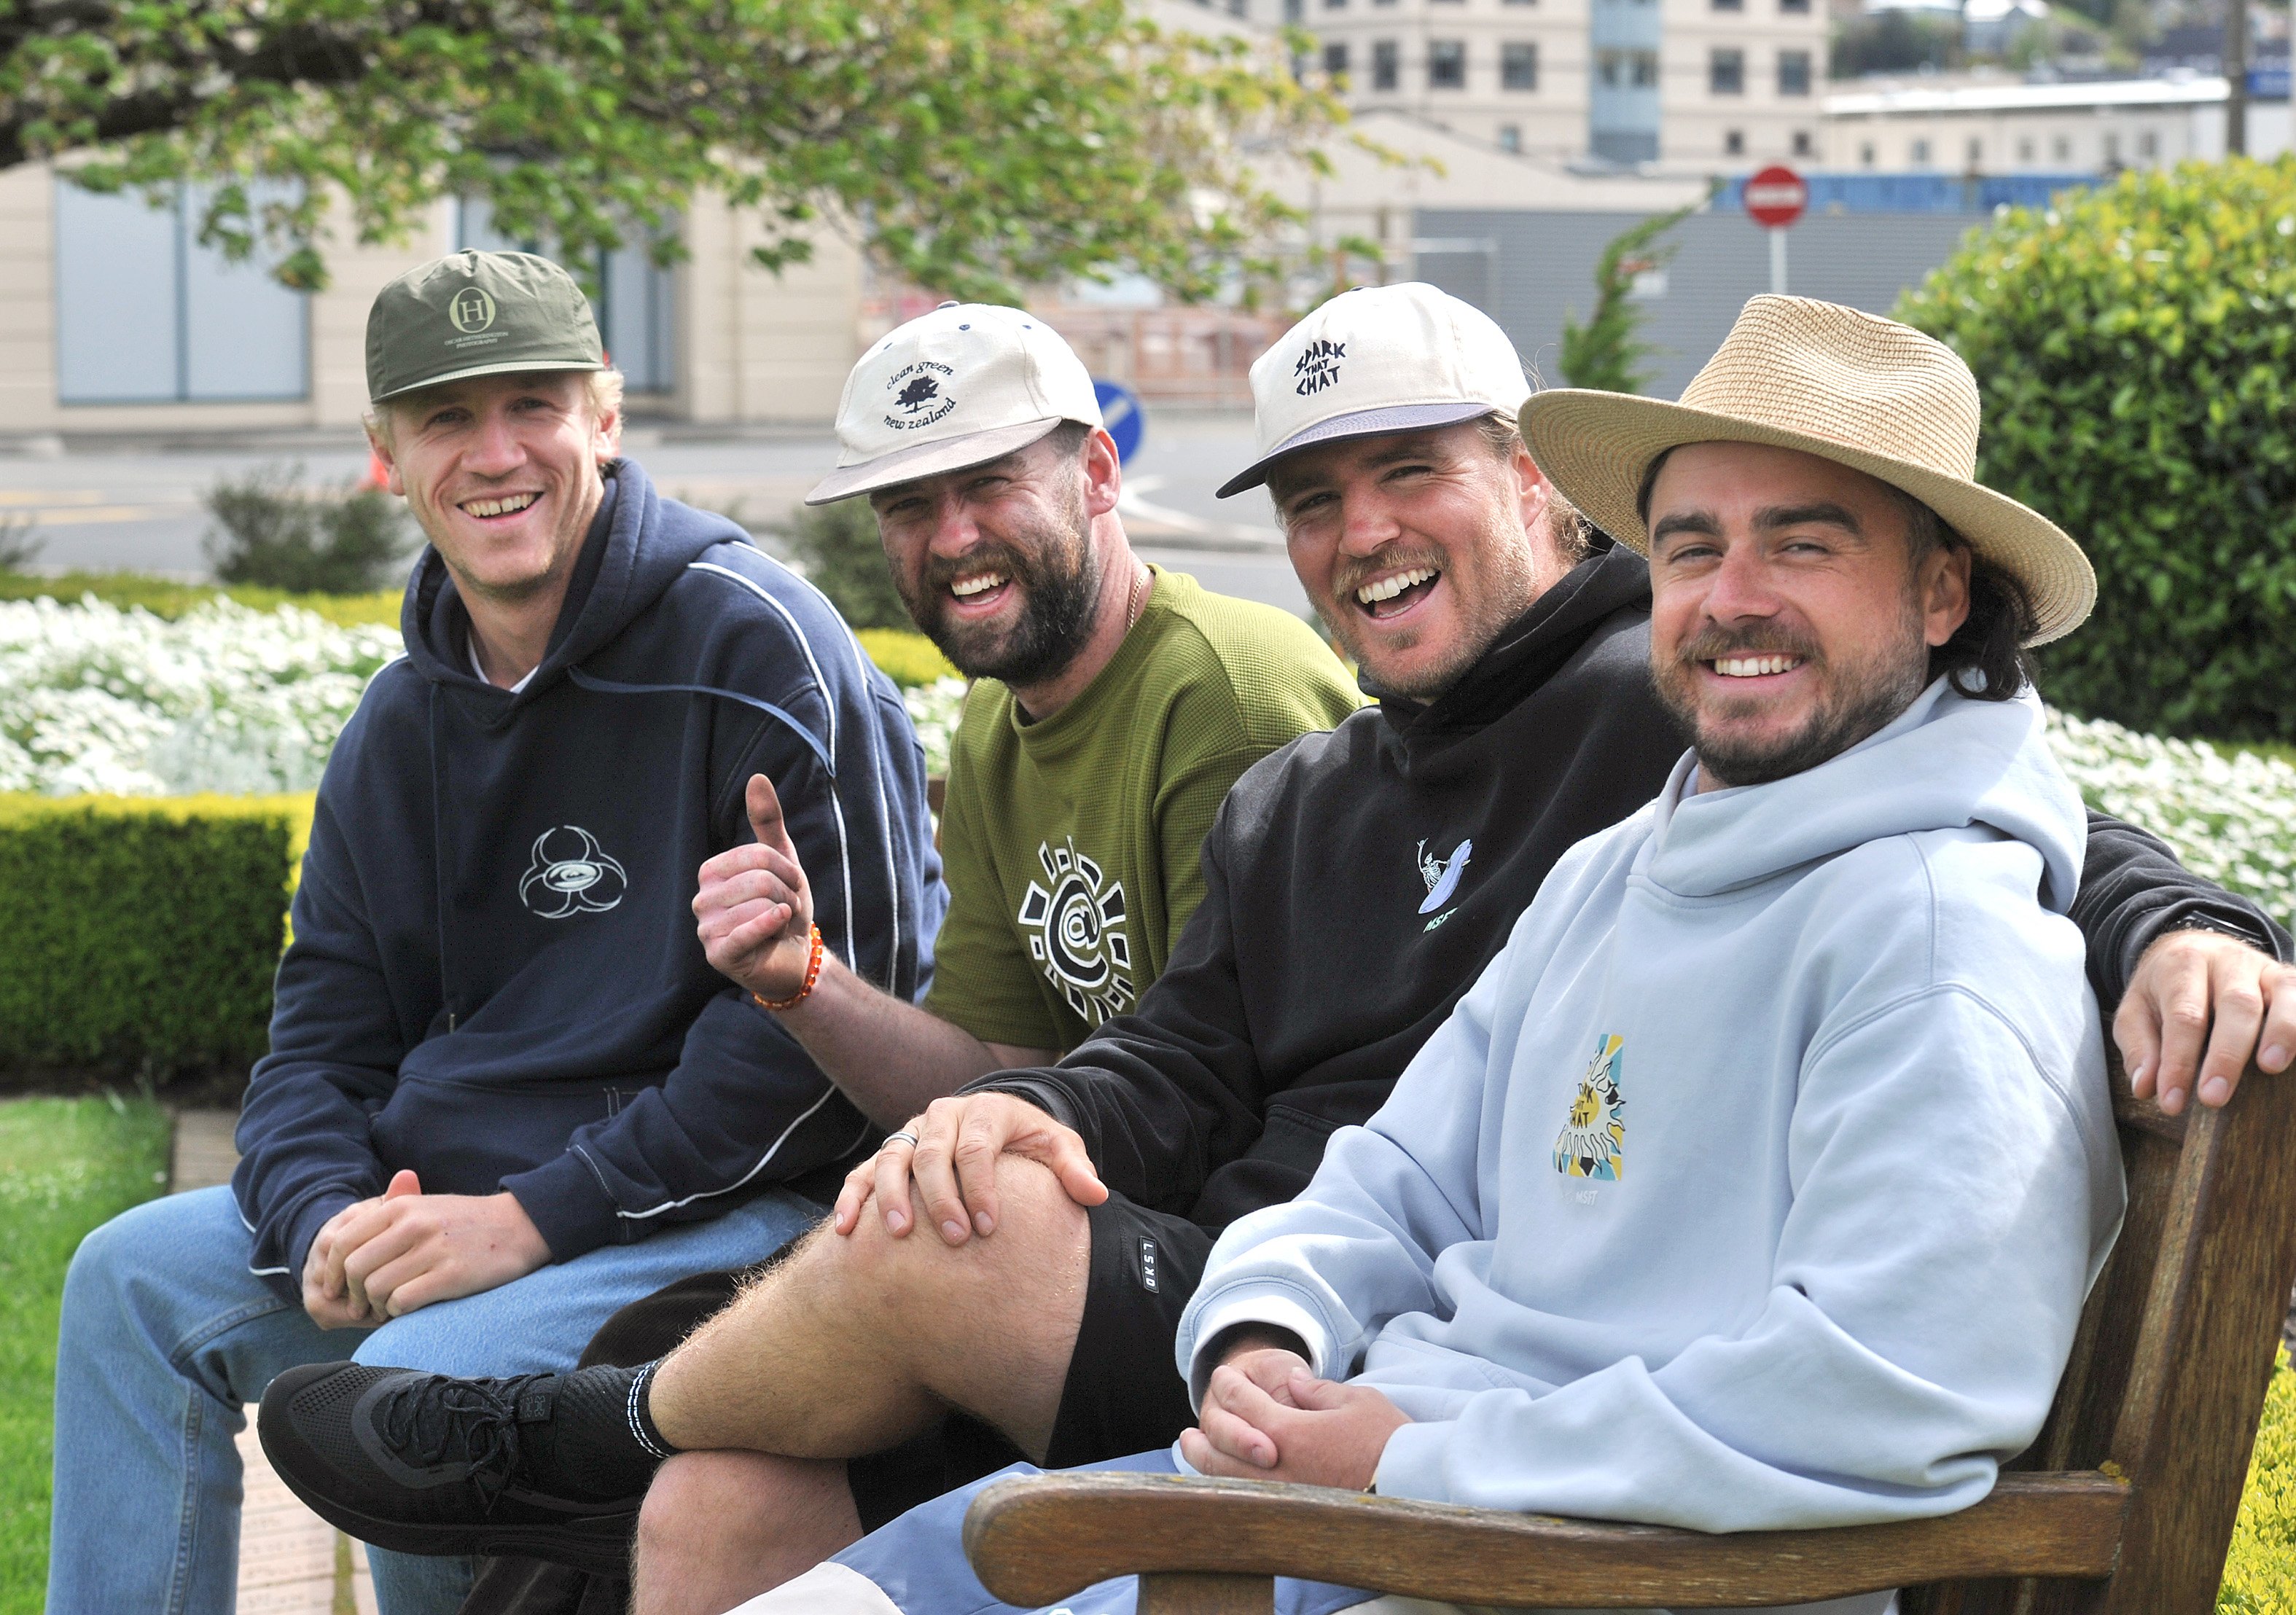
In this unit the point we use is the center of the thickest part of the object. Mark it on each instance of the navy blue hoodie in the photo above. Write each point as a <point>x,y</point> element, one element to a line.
<point>494,978</point>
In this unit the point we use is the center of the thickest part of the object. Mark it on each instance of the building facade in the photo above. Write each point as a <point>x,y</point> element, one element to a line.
<point>115,319</point>
<point>1682,84</point>
<point>2002,127</point>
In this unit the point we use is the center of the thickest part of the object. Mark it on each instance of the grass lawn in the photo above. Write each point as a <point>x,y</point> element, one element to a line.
<point>68,1164</point>
<point>65,1165</point>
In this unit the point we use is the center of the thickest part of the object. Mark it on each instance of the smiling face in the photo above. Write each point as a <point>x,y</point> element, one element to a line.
<point>503,474</point>
<point>1789,616</point>
<point>997,562</point>
<point>1416,548</point>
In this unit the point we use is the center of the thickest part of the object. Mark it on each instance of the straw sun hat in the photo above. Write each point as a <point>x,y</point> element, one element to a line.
<point>1852,388</point>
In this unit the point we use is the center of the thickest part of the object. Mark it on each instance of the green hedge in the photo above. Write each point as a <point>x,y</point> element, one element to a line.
<point>170,598</point>
<point>142,934</point>
<point>2136,345</point>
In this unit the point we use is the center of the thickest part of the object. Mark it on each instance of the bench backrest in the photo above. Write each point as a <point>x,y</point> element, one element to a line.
<point>2175,1348</point>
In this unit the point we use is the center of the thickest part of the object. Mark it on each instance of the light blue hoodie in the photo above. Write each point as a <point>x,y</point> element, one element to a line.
<point>1759,1181</point>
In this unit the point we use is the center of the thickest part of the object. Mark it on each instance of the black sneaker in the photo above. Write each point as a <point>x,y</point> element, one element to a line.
<point>424,1464</point>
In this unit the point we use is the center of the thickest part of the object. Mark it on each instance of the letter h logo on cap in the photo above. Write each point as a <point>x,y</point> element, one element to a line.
<point>471,310</point>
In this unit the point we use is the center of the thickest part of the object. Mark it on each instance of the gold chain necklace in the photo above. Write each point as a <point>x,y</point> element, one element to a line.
<point>1132,601</point>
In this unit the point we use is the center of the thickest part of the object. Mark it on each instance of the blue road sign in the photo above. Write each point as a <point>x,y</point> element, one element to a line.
<point>1121,413</point>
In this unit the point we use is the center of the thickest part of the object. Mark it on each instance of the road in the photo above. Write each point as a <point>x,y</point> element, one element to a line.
<point>137,506</point>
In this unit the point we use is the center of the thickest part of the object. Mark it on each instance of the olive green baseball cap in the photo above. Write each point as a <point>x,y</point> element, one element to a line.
<point>477,314</point>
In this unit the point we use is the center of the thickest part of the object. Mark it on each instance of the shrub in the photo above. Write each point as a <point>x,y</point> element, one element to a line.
<point>907,657</point>
<point>838,549</point>
<point>169,598</point>
<point>273,531</point>
<point>2134,344</point>
<point>142,935</point>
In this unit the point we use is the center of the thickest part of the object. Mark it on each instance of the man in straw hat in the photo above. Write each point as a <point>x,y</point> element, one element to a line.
<point>1357,883</point>
<point>1758,1180</point>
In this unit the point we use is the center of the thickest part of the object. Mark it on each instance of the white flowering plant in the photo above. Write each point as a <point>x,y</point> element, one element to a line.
<point>95,699</point>
<point>2230,817</point>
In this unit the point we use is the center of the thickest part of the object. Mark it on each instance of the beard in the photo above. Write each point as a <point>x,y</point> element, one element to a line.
<point>1859,701</point>
<point>1489,595</point>
<point>1058,576</point>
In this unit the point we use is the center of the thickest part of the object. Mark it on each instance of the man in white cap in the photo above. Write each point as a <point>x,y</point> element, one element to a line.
<point>1356,885</point>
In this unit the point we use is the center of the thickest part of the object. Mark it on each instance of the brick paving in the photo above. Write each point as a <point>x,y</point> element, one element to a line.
<point>290,1562</point>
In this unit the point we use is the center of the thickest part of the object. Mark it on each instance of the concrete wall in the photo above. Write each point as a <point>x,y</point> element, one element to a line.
<point>1540,265</point>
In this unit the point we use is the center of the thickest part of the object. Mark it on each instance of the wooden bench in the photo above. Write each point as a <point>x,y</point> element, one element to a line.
<point>2125,1504</point>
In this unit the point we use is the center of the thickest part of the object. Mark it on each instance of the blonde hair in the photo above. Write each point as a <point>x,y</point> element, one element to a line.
<point>602,392</point>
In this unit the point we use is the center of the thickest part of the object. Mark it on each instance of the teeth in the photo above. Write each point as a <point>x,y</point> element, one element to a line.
<point>499,507</point>
<point>964,588</point>
<point>1754,666</point>
<point>1387,588</point>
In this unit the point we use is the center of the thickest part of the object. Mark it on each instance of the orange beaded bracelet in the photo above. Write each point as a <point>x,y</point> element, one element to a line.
<point>812,975</point>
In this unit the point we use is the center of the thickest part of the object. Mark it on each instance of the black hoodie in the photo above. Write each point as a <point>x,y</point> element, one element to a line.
<point>495,978</point>
<point>1356,884</point>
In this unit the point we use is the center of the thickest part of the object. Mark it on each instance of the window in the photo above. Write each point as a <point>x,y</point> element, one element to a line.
<point>1519,65</point>
<point>1727,6</point>
<point>1510,138</point>
<point>1335,60</point>
<point>146,315</point>
<point>2025,149</point>
<point>1793,8</point>
<point>1733,142</point>
<point>1447,64</point>
<point>1335,6</point>
<point>1518,2</point>
<point>1793,72</point>
<point>633,306</point>
<point>2112,150</point>
<point>1865,153</point>
<point>1918,154</point>
<point>2148,145</point>
<point>1802,145</point>
<point>1972,153</point>
<point>1386,65</point>
<point>1616,69</point>
<point>1293,9</point>
<point>1725,72</point>
<point>2062,149</point>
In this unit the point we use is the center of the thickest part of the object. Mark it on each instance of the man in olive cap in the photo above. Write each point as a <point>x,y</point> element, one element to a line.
<point>507,1094</point>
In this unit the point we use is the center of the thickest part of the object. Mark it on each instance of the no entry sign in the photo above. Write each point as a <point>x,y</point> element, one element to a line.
<point>1775,198</point>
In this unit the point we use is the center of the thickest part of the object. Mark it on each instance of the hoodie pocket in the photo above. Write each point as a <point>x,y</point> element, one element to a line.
<point>463,1138</point>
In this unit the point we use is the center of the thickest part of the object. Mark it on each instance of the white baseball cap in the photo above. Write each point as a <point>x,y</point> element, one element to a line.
<point>1377,360</point>
<point>968,384</point>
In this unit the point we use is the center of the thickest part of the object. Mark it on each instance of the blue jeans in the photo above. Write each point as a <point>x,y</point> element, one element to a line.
<point>167,1336</point>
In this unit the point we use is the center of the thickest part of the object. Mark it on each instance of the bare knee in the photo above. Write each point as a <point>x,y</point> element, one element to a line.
<point>719,1527</point>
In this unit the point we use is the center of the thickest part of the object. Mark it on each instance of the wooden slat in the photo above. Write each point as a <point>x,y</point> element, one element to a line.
<point>1036,1540</point>
<point>1190,1595</point>
<point>2146,1114</point>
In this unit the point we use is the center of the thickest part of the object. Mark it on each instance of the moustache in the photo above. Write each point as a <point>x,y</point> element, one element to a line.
<point>1350,575</point>
<point>1712,642</point>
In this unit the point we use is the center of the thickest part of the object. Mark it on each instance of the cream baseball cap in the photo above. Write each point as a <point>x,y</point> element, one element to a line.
<point>968,384</point>
<point>1377,360</point>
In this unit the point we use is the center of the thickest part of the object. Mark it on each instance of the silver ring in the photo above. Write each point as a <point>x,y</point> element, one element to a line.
<point>903,1137</point>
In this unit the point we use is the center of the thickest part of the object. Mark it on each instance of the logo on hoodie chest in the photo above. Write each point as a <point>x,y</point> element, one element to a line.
<point>1593,1143</point>
<point>568,873</point>
<point>1442,876</point>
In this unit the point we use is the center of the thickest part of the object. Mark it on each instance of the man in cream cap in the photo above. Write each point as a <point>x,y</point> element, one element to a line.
<point>1358,884</point>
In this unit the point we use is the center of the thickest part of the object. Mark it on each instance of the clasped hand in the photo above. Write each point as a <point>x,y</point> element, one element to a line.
<point>1267,1416</point>
<point>383,1257</point>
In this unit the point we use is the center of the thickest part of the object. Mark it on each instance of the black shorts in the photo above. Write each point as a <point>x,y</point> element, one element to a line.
<point>1123,1393</point>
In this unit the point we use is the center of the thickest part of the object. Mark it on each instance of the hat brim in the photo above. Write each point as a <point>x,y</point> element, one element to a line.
<point>1596,446</point>
<point>1363,423</point>
<point>929,460</point>
<point>504,368</point>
